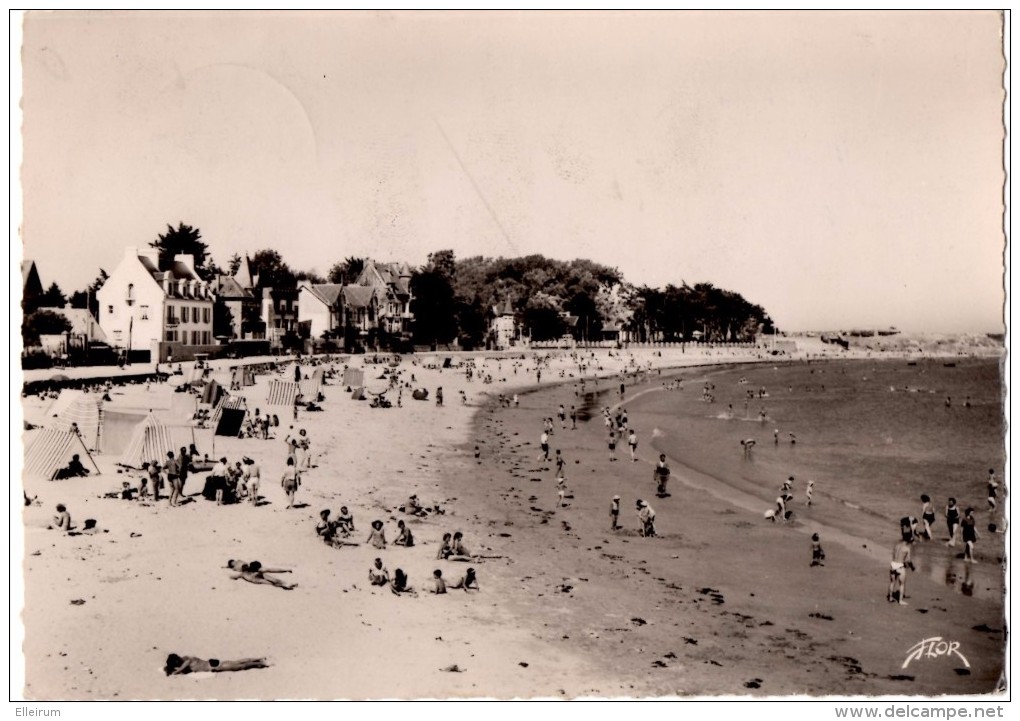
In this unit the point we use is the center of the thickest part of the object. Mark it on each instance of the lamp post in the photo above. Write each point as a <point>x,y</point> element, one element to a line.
<point>130,300</point>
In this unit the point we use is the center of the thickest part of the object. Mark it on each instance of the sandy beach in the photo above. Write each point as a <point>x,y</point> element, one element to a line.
<point>722,603</point>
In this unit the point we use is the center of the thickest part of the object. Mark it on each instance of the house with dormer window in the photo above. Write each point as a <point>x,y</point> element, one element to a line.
<point>167,313</point>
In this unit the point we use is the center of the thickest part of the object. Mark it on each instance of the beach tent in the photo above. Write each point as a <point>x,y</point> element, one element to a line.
<point>353,377</point>
<point>66,398</point>
<point>448,362</point>
<point>196,375</point>
<point>282,393</point>
<point>229,416</point>
<point>212,393</point>
<point>248,377</point>
<point>51,449</point>
<point>153,439</point>
<point>86,413</point>
<point>310,387</point>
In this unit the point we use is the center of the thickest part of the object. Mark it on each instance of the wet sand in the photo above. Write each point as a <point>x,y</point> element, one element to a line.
<point>722,604</point>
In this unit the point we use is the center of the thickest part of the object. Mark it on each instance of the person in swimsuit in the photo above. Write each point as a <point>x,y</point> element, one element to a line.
<point>614,512</point>
<point>404,537</point>
<point>969,535</point>
<point>544,440</point>
<point>901,561</point>
<point>254,573</point>
<point>927,515</point>
<point>952,520</point>
<point>468,582</point>
<point>993,489</point>
<point>612,444</point>
<point>632,442</point>
<point>661,476</point>
<point>817,554</point>
<point>290,481</point>
<point>377,574</point>
<point>182,665</point>
<point>438,584</point>
<point>399,583</point>
<point>377,536</point>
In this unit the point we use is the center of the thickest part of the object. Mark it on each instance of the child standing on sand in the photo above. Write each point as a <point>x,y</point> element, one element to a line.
<point>817,554</point>
<point>927,515</point>
<point>952,520</point>
<point>290,481</point>
<point>632,442</point>
<point>612,445</point>
<point>560,463</point>
<point>614,512</point>
<point>544,441</point>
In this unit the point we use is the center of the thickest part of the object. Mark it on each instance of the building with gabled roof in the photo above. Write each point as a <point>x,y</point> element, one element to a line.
<point>319,308</point>
<point>503,329</point>
<point>389,308</point>
<point>144,308</point>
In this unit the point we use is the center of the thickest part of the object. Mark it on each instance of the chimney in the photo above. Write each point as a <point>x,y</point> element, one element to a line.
<point>187,259</point>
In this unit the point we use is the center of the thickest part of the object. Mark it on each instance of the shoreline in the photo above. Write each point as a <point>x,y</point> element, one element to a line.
<point>371,459</point>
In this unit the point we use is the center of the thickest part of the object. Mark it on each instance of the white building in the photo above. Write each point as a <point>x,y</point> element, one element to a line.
<point>168,313</point>
<point>319,308</point>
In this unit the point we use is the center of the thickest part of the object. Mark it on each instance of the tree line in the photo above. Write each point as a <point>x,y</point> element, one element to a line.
<point>452,298</point>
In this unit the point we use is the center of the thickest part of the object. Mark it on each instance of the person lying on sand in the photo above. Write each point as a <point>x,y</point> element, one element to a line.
<point>377,574</point>
<point>180,665</point>
<point>399,583</point>
<point>469,582</point>
<point>62,521</point>
<point>254,573</point>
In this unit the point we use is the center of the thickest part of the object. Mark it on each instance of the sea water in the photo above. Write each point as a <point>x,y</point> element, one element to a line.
<point>872,435</point>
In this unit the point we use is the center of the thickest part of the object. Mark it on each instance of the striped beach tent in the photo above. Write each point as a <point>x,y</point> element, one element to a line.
<point>282,393</point>
<point>153,439</point>
<point>310,387</point>
<point>353,377</point>
<point>212,392</point>
<point>229,415</point>
<point>50,449</point>
<point>66,398</point>
<point>85,412</point>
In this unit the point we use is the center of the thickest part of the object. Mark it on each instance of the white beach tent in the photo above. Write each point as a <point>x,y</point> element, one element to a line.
<point>152,440</point>
<point>49,450</point>
<point>85,412</point>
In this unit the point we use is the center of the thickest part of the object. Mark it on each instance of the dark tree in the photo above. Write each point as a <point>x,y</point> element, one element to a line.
<point>223,321</point>
<point>433,307</point>
<point>182,239</point>
<point>53,297</point>
<point>544,323</point>
<point>273,272</point>
<point>42,322</point>
<point>310,276</point>
<point>347,271</point>
<point>235,263</point>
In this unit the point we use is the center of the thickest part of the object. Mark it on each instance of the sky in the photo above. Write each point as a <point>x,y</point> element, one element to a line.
<point>839,169</point>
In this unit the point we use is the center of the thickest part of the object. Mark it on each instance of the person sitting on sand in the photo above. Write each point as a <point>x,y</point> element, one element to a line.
<point>345,522</point>
<point>438,584</point>
<point>399,583</point>
<point>412,507</point>
<point>468,582</point>
<point>62,521</point>
<point>74,469</point>
<point>377,536</point>
<point>254,573</point>
<point>181,665</point>
<point>377,574</point>
<point>404,536</point>
<point>646,515</point>
<point>901,561</point>
<point>458,551</point>
<point>445,548</point>
<point>325,529</point>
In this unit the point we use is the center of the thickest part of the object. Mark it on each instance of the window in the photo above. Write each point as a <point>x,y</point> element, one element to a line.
<point>171,336</point>
<point>206,339</point>
<point>205,315</point>
<point>184,314</point>
<point>171,317</point>
<point>145,311</point>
